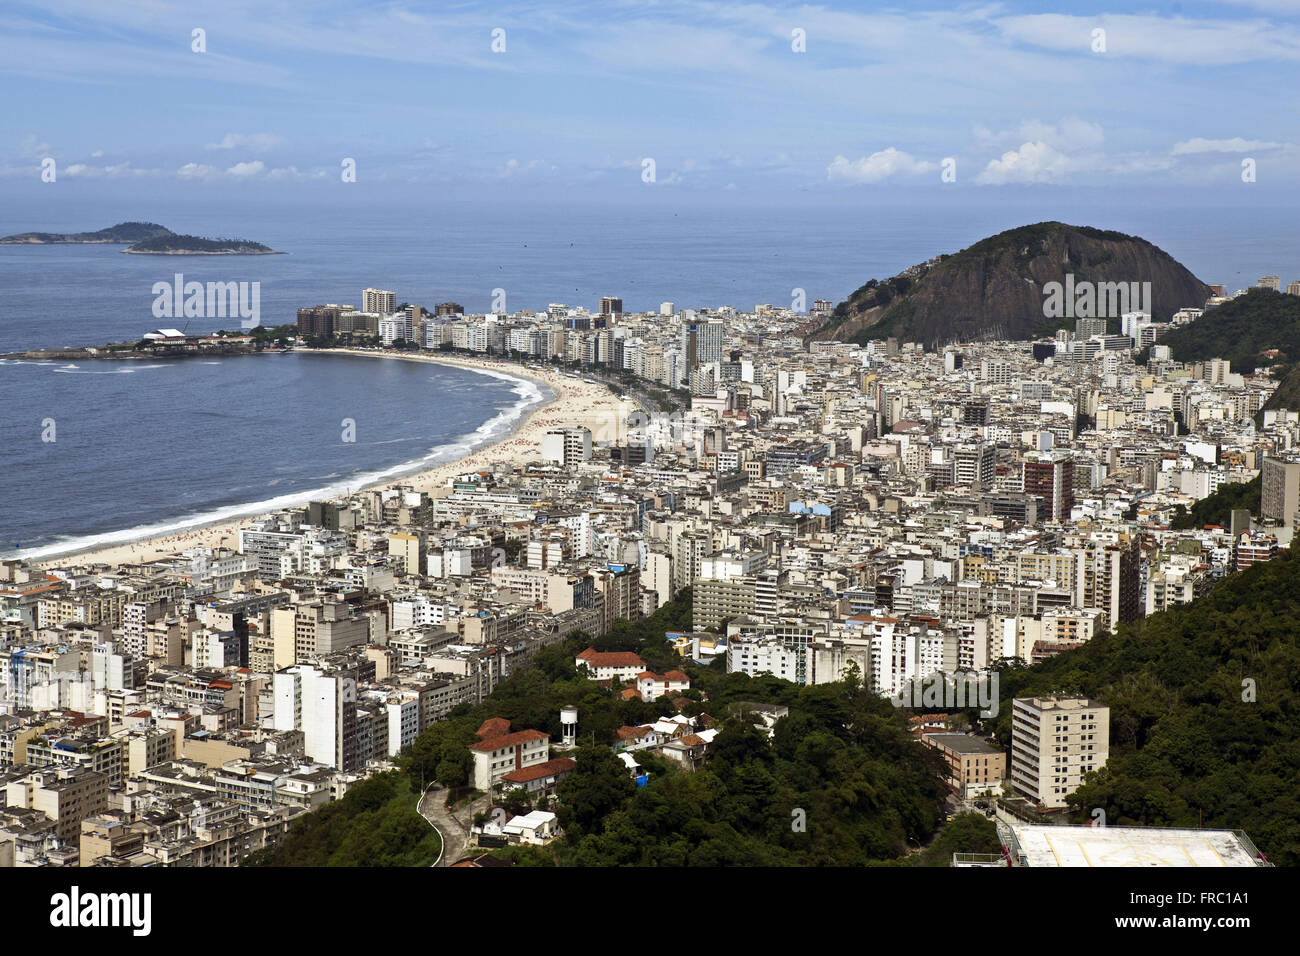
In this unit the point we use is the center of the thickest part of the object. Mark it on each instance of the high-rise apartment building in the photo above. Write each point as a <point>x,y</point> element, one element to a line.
<point>1055,742</point>
<point>1280,490</point>
<point>567,446</point>
<point>702,343</point>
<point>1049,477</point>
<point>318,320</point>
<point>611,305</point>
<point>974,464</point>
<point>324,707</point>
<point>381,301</point>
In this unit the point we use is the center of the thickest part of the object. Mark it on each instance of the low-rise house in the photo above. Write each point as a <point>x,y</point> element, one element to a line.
<point>610,665</point>
<point>652,686</point>
<point>536,828</point>
<point>540,778</point>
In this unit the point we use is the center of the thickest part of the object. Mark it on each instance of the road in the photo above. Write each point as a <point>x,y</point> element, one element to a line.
<point>453,828</point>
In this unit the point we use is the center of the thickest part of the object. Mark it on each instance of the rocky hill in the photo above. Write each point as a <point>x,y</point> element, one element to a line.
<point>996,288</point>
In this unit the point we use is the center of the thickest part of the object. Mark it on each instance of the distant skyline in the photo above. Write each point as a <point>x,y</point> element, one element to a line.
<point>583,94</point>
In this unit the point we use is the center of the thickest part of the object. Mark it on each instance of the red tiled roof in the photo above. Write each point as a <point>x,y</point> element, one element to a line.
<point>610,658</point>
<point>633,733</point>
<point>557,766</point>
<point>493,727</point>
<point>509,740</point>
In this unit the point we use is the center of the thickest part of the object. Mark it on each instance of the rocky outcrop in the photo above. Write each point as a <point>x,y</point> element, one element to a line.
<point>996,288</point>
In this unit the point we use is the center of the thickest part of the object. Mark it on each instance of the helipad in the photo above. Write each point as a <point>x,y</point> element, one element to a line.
<point>1129,846</point>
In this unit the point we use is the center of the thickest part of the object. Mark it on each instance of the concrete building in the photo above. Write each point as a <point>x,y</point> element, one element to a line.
<point>324,707</point>
<point>1055,742</point>
<point>973,765</point>
<point>1053,846</point>
<point>567,446</point>
<point>498,755</point>
<point>66,796</point>
<point>381,301</point>
<point>1280,491</point>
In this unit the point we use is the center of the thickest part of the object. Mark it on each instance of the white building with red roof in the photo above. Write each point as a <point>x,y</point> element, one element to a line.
<point>499,754</point>
<point>611,665</point>
<point>652,686</point>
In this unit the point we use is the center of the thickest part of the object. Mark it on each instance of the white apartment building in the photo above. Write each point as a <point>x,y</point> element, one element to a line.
<point>567,446</point>
<point>1055,742</point>
<point>403,720</point>
<point>497,756</point>
<point>324,707</point>
<point>396,326</point>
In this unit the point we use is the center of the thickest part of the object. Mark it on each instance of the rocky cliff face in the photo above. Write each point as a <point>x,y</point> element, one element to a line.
<point>996,289</point>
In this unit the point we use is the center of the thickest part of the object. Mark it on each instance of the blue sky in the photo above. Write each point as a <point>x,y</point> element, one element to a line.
<point>714,93</point>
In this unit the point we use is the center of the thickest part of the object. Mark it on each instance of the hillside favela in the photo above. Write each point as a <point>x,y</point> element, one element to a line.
<point>788,439</point>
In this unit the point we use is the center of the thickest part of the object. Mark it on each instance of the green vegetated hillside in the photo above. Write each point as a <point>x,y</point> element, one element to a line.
<point>1218,507</point>
<point>375,824</point>
<point>174,243</point>
<point>1186,749</point>
<point>1241,330</point>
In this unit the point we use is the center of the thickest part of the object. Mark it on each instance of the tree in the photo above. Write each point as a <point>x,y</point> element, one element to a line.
<point>516,801</point>
<point>598,785</point>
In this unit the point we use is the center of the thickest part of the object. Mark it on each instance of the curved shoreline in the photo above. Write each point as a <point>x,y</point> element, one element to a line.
<point>570,402</point>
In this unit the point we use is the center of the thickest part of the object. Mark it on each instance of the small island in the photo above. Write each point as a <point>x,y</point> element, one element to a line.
<point>147,238</point>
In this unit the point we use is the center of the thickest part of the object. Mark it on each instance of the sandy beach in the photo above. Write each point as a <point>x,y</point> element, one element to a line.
<point>575,403</point>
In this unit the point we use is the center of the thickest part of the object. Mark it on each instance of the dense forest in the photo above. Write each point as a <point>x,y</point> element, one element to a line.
<point>375,824</point>
<point>1218,507</point>
<point>1241,330</point>
<point>176,243</point>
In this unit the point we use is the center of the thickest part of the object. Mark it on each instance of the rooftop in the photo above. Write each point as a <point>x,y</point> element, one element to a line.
<point>1130,846</point>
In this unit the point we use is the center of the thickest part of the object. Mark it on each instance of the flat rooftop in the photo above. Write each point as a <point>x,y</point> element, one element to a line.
<point>1130,846</point>
<point>963,743</point>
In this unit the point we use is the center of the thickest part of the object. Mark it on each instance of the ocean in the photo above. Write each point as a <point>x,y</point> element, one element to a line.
<point>147,447</point>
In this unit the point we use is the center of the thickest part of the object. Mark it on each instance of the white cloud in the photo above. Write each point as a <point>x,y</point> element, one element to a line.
<point>877,167</point>
<point>294,174</point>
<point>1034,162</point>
<point>257,142</point>
<point>1177,40</point>
<point>514,167</point>
<point>116,171</point>
<point>247,170</point>
<point>1072,134</point>
<point>1235,145</point>
<point>198,171</point>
